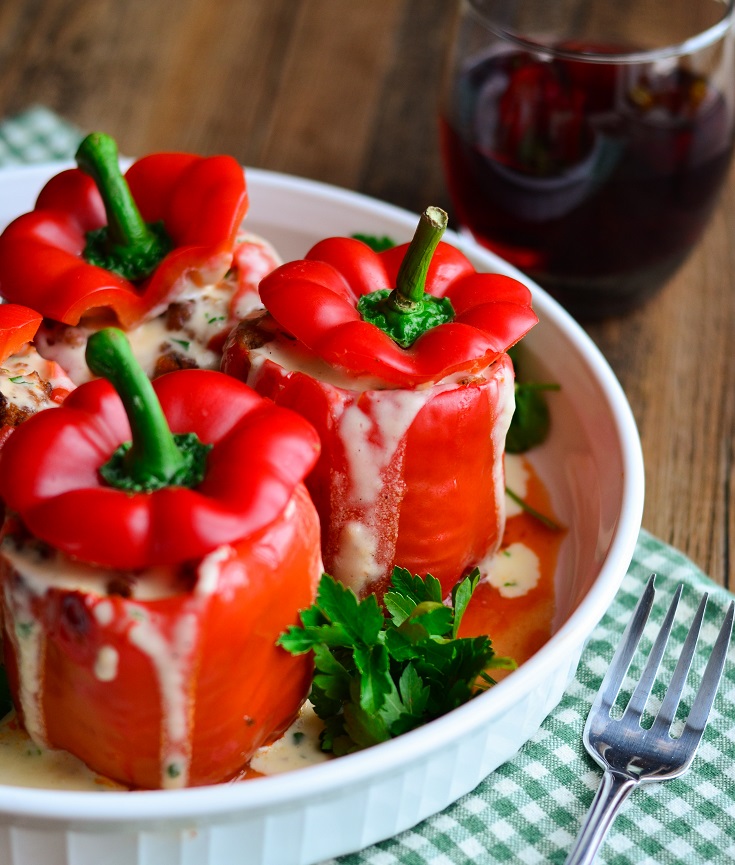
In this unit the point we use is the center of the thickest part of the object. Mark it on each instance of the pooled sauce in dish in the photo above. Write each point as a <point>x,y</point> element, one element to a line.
<point>514,604</point>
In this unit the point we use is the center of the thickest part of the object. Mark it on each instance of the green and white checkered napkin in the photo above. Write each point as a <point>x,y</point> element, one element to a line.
<point>529,810</point>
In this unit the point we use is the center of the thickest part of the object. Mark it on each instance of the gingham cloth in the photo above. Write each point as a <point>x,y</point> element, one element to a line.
<point>529,810</point>
<point>37,135</point>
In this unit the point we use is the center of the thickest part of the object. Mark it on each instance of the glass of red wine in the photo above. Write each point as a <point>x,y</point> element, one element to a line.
<point>586,142</point>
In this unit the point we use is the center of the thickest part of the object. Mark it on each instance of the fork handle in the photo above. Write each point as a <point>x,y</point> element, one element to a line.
<point>611,794</point>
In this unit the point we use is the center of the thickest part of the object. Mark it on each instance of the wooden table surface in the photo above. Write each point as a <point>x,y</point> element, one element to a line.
<point>346,93</point>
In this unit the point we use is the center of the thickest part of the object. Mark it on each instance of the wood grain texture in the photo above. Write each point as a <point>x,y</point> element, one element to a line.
<point>346,93</point>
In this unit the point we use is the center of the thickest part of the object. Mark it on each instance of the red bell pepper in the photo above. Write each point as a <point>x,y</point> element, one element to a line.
<point>154,576</point>
<point>18,325</point>
<point>412,434</point>
<point>256,452</point>
<point>129,245</point>
<point>46,382</point>
<point>316,301</point>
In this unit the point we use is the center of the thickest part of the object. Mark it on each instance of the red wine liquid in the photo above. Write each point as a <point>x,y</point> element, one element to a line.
<point>596,180</point>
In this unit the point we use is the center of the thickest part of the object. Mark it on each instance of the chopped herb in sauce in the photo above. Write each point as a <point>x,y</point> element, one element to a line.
<point>173,770</point>
<point>24,629</point>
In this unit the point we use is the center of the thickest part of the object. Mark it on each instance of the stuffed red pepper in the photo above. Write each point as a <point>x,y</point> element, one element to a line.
<point>398,359</point>
<point>161,251</point>
<point>158,541</point>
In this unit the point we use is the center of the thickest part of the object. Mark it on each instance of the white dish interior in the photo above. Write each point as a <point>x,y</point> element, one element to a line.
<point>593,467</point>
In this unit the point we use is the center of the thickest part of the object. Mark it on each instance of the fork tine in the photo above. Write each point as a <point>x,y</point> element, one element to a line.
<point>640,696</point>
<point>667,712</point>
<point>705,697</point>
<point>625,651</point>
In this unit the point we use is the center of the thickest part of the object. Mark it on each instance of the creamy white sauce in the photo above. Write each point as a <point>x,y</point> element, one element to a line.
<point>104,612</point>
<point>28,763</point>
<point>513,571</point>
<point>29,644</point>
<point>372,431</point>
<point>298,747</point>
<point>356,562</point>
<point>516,569</point>
<point>293,358</point>
<point>23,763</point>
<point>65,346</point>
<point>516,479</point>
<point>210,568</point>
<point>54,570</point>
<point>173,662</point>
<point>24,377</point>
<point>506,401</point>
<point>212,309</point>
<point>105,665</point>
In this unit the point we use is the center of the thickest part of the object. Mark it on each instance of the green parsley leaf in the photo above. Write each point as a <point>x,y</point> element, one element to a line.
<point>378,676</point>
<point>531,420</point>
<point>373,666</point>
<point>461,596</point>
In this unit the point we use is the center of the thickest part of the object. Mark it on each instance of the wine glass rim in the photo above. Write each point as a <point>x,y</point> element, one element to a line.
<point>650,55</point>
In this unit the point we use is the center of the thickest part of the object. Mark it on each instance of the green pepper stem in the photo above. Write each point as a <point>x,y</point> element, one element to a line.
<point>411,277</point>
<point>154,453</point>
<point>98,156</point>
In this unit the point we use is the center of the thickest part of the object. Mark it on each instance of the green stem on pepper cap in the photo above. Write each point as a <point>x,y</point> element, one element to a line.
<point>411,279</point>
<point>155,457</point>
<point>407,311</point>
<point>127,245</point>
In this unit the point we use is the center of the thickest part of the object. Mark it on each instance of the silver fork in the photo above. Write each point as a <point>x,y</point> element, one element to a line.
<point>629,754</point>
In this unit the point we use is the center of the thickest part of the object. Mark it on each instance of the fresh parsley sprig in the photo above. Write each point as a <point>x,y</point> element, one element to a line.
<point>378,676</point>
<point>531,421</point>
